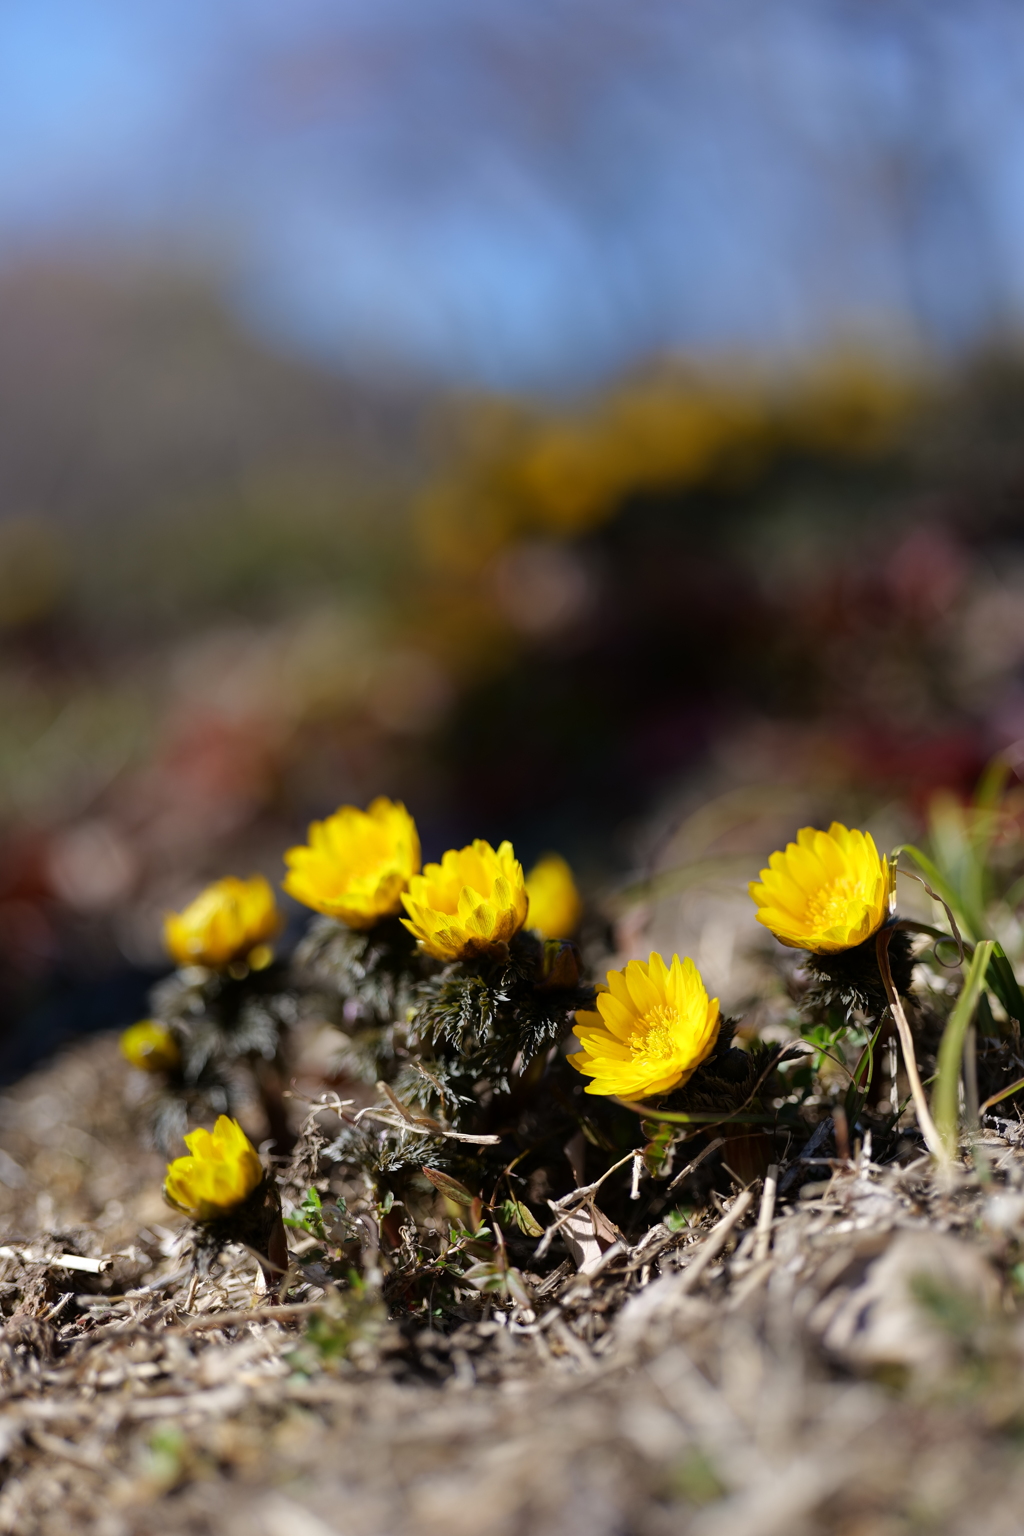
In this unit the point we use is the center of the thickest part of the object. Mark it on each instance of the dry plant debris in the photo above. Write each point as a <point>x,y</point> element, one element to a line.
<point>719,1288</point>
<point>846,1361</point>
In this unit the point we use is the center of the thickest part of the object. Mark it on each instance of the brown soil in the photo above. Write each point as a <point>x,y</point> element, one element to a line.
<point>862,1377</point>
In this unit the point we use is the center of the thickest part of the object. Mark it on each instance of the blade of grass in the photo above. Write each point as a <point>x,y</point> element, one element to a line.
<point>676,1117</point>
<point>997,1098</point>
<point>1003,982</point>
<point>867,1060</point>
<point>951,1050</point>
<point>856,1095</point>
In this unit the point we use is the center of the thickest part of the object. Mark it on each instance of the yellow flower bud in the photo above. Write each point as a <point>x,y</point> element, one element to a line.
<point>221,1172</point>
<point>357,864</point>
<point>224,924</point>
<point>150,1046</point>
<point>652,1029</point>
<point>472,903</point>
<point>828,892</point>
<point>555,905</point>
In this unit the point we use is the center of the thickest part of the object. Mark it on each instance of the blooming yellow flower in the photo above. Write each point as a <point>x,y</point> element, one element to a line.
<point>221,1172</point>
<point>472,902</point>
<point>151,1046</point>
<point>828,892</point>
<point>358,863</point>
<point>555,905</point>
<point>652,1029</point>
<point>231,920</point>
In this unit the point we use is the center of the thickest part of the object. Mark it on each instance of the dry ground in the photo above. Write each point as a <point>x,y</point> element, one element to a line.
<point>861,1375</point>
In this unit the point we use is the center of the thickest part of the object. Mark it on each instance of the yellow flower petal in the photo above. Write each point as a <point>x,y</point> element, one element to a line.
<point>653,1028</point>
<point>357,863</point>
<point>644,991</point>
<point>224,923</point>
<point>471,903</point>
<point>827,892</point>
<point>615,1016</point>
<point>220,1173</point>
<point>555,905</point>
<point>150,1045</point>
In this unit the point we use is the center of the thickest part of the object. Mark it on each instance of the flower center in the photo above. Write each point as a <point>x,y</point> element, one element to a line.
<point>655,1039</point>
<point>830,906</point>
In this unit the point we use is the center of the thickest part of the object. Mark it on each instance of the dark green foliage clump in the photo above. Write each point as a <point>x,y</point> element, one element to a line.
<point>373,972</point>
<point>216,1015</point>
<point>256,1223</point>
<point>365,983</point>
<point>485,1018</point>
<point>226,1027</point>
<point>471,1058</point>
<point>851,980</point>
<point>728,1080</point>
<point>384,1150</point>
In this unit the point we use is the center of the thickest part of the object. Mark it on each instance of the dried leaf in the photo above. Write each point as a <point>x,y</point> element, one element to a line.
<point>449,1187</point>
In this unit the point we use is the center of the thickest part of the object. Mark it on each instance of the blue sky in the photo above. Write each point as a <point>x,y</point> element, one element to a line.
<point>533,193</point>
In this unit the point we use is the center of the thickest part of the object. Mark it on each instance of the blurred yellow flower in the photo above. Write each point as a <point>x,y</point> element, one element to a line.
<point>828,892</point>
<point>151,1046</point>
<point>518,473</point>
<point>472,902</point>
<point>652,1029</point>
<point>358,863</point>
<point>231,920</point>
<point>555,905</point>
<point>221,1172</point>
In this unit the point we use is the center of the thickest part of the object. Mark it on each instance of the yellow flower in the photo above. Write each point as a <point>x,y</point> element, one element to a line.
<point>827,892</point>
<point>473,902</point>
<point>221,1172</point>
<point>357,864</point>
<point>230,921</point>
<point>151,1046</point>
<point>652,1029</point>
<point>555,905</point>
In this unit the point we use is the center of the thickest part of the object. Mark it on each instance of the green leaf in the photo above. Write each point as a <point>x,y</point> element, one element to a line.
<point>514,1211</point>
<point>311,1220</point>
<point>517,1287</point>
<point>485,1276</point>
<point>677,1220</point>
<point>449,1187</point>
<point>951,1048</point>
<point>1003,982</point>
<point>660,1139</point>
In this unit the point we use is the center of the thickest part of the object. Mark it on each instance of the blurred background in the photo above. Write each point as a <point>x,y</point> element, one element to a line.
<point>596,425</point>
